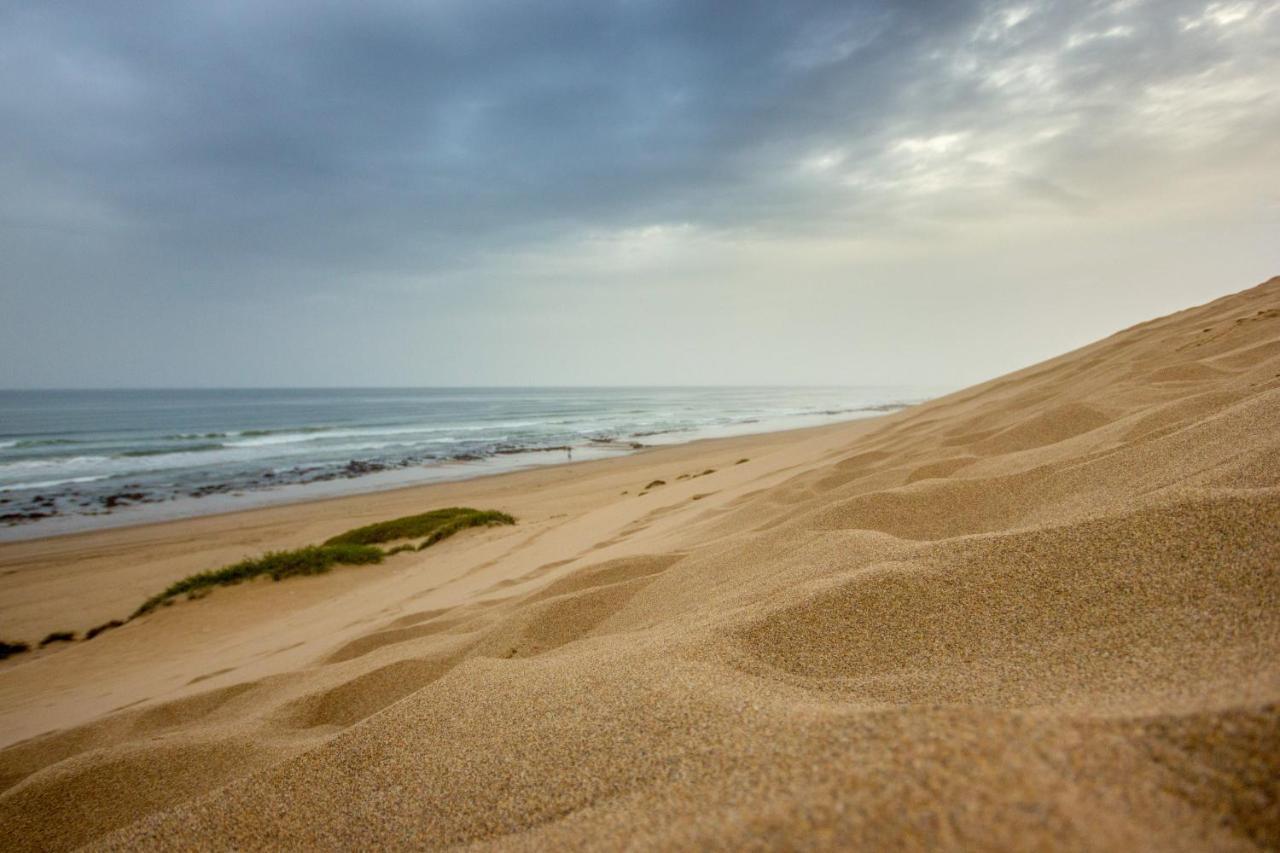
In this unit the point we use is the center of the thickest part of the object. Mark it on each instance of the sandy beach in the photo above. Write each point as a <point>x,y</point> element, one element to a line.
<point>1039,613</point>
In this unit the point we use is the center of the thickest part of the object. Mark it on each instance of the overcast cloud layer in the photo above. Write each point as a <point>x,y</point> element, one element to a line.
<point>444,193</point>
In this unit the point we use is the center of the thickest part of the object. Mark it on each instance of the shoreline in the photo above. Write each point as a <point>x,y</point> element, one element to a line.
<point>210,540</point>
<point>185,508</point>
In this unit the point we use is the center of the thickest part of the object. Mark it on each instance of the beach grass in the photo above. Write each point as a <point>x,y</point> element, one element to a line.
<point>311,560</point>
<point>434,526</point>
<point>102,629</point>
<point>356,547</point>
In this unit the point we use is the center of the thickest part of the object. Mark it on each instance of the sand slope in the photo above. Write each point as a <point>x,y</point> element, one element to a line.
<point>1042,612</point>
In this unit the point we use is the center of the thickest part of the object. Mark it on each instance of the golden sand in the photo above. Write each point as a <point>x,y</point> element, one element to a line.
<point>1043,612</point>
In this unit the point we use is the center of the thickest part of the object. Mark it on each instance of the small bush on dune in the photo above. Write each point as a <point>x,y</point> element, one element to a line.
<point>435,525</point>
<point>444,531</point>
<point>312,560</point>
<point>58,637</point>
<point>99,629</point>
<point>353,548</point>
<point>8,649</point>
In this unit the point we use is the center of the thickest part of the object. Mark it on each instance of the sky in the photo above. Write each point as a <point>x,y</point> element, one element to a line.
<point>616,192</point>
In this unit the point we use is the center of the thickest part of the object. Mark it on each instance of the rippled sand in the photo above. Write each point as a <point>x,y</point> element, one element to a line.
<point>1043,612</point>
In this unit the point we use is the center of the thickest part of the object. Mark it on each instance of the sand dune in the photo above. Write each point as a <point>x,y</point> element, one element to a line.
<point>1043,612</point>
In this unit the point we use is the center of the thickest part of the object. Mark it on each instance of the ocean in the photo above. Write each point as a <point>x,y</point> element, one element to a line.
<point>72,460</point>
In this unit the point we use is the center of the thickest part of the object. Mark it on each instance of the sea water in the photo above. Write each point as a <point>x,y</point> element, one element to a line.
<point>74,459</point>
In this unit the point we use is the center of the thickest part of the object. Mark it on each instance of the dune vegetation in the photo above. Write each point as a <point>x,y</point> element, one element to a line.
<point>58,637</point>
<point>278,565</point>
<point>356,547</point>
<point>431,527</point>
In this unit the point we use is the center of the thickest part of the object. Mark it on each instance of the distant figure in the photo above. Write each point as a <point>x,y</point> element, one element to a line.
<point>569,451</point>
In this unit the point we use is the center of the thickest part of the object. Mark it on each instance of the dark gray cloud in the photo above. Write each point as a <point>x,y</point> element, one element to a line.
<point>159,154</point>
<point>313,131</point>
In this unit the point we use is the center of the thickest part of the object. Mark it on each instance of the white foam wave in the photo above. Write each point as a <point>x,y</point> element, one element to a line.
<point>316,436</point>
<point>51,463</point>
<point>46,484</point>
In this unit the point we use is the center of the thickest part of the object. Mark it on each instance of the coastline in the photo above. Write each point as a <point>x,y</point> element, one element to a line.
<point>1043,611</point>
<point>379,478</point>
<point>75,580</point>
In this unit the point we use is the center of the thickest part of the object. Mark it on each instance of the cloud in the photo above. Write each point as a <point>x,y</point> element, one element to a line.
<point>264,150</point>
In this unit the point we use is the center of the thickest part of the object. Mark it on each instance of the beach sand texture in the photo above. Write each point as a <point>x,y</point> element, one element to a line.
<point>1040,613</point>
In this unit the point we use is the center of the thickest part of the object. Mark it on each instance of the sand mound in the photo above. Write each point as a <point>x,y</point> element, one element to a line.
<point>1050,427</point>
<point>941,469</point>
<point>1249,356</point>
<point>1191,371</point>
<point>1179,413</point>
<point>1069,614</point>
<point>607,573</point>
<point>99,792</point>
<point>370,642</point>
<point>935,509</point>
<point>572,609</point>
<point>365,694</point>
<point>1043,612</point>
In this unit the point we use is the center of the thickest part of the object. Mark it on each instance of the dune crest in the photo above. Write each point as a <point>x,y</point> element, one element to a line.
<point>1040,612</point>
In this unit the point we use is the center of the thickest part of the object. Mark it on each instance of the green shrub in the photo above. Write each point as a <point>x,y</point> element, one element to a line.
<point>485,519</point>
<point>353,548</point>
<point>312,560</point>
<point>435,525</point>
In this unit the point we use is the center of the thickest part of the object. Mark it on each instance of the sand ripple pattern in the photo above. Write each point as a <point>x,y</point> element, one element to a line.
<point>1040,613</point>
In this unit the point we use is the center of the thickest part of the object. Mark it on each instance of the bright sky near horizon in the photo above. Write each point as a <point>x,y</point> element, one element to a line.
<point>459,192</point>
